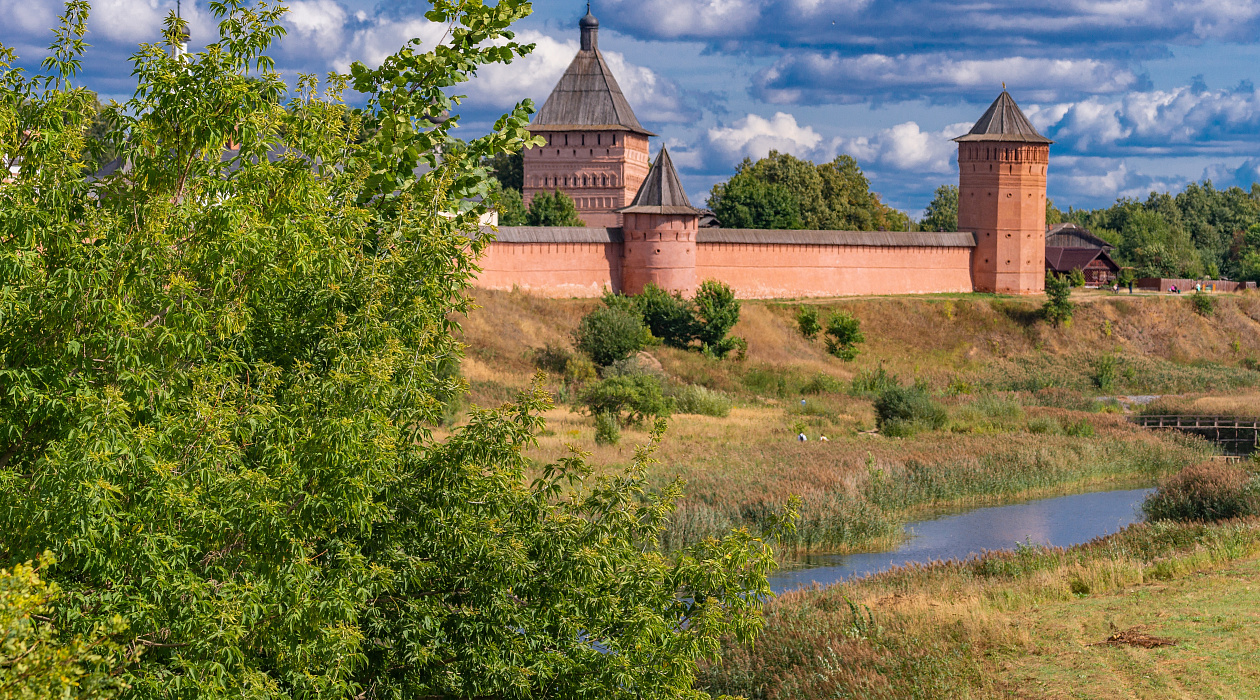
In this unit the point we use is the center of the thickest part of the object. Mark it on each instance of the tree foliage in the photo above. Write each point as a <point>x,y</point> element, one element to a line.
<point>942,212</point>
<point>843,334</point>
<point>1058,308</point>
<point>218,373</point>
<point>609,334</point>
<point>782,191</point>
<point>552,209</point>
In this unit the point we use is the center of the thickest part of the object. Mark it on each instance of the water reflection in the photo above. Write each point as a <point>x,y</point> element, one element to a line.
<point>1059,522</point>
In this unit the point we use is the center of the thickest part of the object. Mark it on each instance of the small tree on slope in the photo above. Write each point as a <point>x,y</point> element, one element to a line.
<point>216,373</point>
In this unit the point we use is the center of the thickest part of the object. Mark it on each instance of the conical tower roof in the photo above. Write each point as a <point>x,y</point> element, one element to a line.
<point>661,192</point>
<point>587,97</point>
<point>1004,121</point>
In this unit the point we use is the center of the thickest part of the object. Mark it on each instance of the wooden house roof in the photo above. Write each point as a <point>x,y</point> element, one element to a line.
<point>1004,121</point>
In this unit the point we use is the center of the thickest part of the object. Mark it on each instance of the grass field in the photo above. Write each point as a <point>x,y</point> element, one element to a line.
<point>1025,624</point>
<point>1023,420</point>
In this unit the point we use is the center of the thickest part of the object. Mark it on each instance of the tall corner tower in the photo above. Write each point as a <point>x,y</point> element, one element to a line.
<point>1002,165</point>
<point>660,233</point>
<point>596,151</point>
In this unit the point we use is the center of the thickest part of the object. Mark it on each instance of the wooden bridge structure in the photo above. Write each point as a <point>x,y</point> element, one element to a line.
<point>1236,436</point>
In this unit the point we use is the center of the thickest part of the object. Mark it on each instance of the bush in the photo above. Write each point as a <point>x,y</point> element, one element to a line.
<point>843,335</point>
<point>552,359</point>
<point>1105,372</point>
<point>1058,307</point>
<point>1203,304</point>
<point>607,432</point>
<point>873,382</point>
<point>701,401</point>
<point>807,322</point>
<point>716,313</point>
<point>628,398</point>
<point>902,411</point>
<point>822,384</point>
<point>1076,277</point>
<point>1207,491</point>
<point>1044,425</point>
<point>609,334</point>
<point>669,316</point>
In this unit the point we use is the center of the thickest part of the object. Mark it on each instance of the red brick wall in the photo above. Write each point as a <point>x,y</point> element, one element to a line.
<point>1002,198</point>
<point>552,269</point>
<point>770,271</point>
<point>600,170</point>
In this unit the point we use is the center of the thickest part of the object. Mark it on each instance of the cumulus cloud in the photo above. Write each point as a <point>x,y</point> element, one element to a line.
<point>1185,120</point>
<point>817,78</point>
<point>905,147</point>
<point>755,136</point>
<point>1043,27</point>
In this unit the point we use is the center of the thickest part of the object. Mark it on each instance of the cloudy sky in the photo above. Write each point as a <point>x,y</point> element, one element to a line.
<point>1139,95</point>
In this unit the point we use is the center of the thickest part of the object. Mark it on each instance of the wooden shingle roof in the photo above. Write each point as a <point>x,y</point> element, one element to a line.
<point>1004,121</point>
<point>661,192</point>
<point>587,97</point>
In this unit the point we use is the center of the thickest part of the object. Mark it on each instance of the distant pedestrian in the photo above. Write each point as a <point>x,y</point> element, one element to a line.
<point>802,403</point>
<point>1198,287</point>
<point>823,439</point>
<point>801,438</point>
<point>1130,286</point>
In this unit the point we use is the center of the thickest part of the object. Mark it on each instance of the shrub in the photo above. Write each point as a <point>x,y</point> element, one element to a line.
<point>1080,428</point>
<point>669,316</point>
<point>1207,491</point>
<point>1058,307</point>
<point>1105,372</point>
<point>873,382</point>
<point>1044,425</point>
<point>843,335</point>
<point>1203,304</point>
<point>609,334</point>
<point>552,359</point>
<point>701,401</point>
<point>901,411</point>
<point>807,322</point>
<point>716,313</point>
<point>822,384</point>
<point>607,432</point>
<point>628,398</point>
<point>552,209</point>
<point>1076,277</point>
<point>632,367</point>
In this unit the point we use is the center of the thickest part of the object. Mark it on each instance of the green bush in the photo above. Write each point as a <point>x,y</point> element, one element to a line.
<point>609,334</point>
<point>716,313</point>
<point>1080,428</point>
<point>1076,277</point>
<point>1105,372</point>
<point>1207,491</point>
<point>807,322</point>
<point>873,382</point>
<point>607,432</point>
<point>822,384</point>
<point>670,317</point>
<point>552,209</point>
<point>1058,307</point>
<point>843,334</point>
<point>905,410</point>
<point>629,398</point>
<point>1044,425</point>
<point>701,401</point>
<point>1203,304</point>
<point>552,359</point>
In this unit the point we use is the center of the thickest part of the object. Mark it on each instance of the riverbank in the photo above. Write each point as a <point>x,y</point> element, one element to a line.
<point>1032,623</point>
<point>1023,421</point>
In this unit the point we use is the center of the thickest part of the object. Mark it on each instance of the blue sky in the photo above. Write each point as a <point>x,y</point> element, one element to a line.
<point>1139,95</point>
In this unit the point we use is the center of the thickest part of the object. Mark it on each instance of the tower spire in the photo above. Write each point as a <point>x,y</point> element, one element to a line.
<point>590,30</point>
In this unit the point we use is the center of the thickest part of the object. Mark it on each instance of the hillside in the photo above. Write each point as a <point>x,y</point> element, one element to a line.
<point>1024,418</point>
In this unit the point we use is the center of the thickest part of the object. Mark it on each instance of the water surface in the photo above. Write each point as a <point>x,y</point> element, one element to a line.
<point>1058,522</point>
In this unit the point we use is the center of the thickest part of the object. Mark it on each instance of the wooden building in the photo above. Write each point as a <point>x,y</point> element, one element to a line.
<point>1070,247</point>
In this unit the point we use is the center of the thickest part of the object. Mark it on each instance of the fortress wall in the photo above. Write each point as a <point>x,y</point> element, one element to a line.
<point>775,271</point>
<point>552,269</point>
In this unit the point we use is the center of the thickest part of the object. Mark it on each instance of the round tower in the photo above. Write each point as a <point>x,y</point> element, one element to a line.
<point>659,232</point>
<point>1002,165</point>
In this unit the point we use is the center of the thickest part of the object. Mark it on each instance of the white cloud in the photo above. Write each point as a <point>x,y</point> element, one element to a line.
<point>905,147</point>
<point>673,18</point>
<point>755,136</point>
<point>321,22</point>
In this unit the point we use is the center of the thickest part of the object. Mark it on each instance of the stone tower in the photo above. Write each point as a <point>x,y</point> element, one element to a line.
<point>1002,199</point>
<point>660,233</point>
<point>596,152</point>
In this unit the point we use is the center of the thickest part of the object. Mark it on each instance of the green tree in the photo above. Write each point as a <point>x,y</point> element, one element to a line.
<point>1058,308</point>
<point>218,381</point>
<point>843,334</point>
<point>555,209</point>
<point>610,334</point>
<point>1053,215</point>
<point>511,208</point>
<point>807,322</point>
<point>782,191</point>
<point>717,312</point>
<point>668,316</point>
<point>508,169</point>
<point>942,212</point>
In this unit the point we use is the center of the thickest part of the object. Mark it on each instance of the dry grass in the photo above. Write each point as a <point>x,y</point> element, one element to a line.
<point>1020,624</point>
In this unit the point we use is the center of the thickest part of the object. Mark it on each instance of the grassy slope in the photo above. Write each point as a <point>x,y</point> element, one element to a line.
<point>858,487</point>
<point>1020,625</point>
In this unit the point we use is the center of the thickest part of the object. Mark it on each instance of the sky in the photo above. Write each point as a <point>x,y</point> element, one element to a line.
<point>1138,95</point>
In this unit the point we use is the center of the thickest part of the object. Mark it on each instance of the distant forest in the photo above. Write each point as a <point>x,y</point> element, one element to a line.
<point>1198,232</point>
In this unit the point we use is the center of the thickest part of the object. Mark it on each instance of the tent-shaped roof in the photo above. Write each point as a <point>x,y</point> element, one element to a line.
<point>587,96</point>
<point>661,192</point>
<point>1004,121</point>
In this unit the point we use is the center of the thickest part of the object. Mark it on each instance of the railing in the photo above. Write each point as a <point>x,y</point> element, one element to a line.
<point>1237,436</point>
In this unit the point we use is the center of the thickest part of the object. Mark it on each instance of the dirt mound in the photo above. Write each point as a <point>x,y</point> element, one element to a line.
<point>1135,637</point>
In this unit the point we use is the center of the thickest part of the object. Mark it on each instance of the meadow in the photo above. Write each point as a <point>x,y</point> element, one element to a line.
<point>1028,406</point>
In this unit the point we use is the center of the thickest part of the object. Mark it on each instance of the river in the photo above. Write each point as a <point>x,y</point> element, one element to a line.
<point>1060,522</point>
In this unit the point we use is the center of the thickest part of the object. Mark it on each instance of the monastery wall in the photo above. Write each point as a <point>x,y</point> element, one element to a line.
<point>553,262</point>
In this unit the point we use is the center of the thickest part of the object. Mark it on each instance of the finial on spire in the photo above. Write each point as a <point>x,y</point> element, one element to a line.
<point>1003,85</point>
<point>590,30</point>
